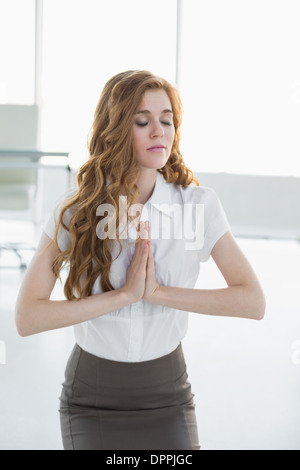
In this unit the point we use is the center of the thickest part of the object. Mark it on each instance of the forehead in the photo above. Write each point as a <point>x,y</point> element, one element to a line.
<point>155,100</point>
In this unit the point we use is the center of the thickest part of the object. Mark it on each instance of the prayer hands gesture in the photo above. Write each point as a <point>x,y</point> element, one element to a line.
<point>140,280</point>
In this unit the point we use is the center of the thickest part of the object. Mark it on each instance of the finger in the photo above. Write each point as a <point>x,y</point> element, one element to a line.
<point>142,232</point>
<point>139,251</point>
<point>150,249</point>
<point>141,260</point>
<point>139,237</point>
<point>148,237</point>
<point>141,248</point>
<point>148,229</point>
<point>150,263</point>
<point>140,229</point>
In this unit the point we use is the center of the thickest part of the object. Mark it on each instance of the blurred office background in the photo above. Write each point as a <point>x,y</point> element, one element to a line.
<point>236,64</point>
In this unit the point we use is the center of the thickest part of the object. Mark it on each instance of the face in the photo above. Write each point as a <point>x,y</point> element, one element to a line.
<point>153,130</point>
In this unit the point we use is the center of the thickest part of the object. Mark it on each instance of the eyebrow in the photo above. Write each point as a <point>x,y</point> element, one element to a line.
<point>146,111</point>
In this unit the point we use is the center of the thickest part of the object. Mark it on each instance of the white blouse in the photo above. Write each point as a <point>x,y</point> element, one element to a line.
<point>185,224</point>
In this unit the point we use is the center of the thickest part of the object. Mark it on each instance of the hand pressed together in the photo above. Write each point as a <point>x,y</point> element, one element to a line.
<point>140,280</point>
<point>151,285</point>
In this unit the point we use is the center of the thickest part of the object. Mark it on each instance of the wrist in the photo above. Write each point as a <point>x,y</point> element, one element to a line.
<point>156,293</point>
<point>125,297</point>
<point>154,297</point>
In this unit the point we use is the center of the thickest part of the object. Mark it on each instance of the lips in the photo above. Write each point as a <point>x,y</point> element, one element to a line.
<point>157,148</point>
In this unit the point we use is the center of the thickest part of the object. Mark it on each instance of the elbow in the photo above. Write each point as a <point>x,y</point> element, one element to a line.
<point>22,323</point>
<point>22,332</point>
<point>22,329</point>
<point>259,307</point>
<point>259,314</point>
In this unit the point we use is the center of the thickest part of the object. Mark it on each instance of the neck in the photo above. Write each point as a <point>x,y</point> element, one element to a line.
<point>146,182</point>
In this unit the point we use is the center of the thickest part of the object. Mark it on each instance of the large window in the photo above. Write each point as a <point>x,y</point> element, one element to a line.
<point>17,51</point>
<point>240,84</point>
<point>86,43</point>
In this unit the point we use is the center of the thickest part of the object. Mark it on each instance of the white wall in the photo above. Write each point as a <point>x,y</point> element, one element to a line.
<point>258,206</point>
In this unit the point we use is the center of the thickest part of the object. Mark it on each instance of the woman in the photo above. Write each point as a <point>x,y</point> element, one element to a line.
<point>133,235</point>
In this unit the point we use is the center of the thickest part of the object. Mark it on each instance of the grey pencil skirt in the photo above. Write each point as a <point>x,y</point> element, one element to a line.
<point>109,405</point>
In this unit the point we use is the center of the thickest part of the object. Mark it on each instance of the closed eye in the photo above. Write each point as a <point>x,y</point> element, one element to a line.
<point>143,124</point>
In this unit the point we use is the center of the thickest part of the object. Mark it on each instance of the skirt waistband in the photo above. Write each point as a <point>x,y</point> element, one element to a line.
<point>133,374</point>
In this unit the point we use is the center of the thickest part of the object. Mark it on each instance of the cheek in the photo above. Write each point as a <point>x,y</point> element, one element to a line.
<point>138,139</point>
<point>135,142</point>
<point>171,136</point>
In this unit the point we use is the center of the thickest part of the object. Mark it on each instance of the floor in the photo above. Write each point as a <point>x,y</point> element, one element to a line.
<point>245,374</point>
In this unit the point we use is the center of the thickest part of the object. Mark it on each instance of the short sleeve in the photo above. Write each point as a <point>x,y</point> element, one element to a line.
<point>63,238</point>
<point>215,221</point>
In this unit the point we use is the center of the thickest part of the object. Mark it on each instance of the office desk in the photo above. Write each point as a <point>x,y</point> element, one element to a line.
<point>34,155</point>
<point>37,165</point>
<point>32,160</point>
<point>23,161</point>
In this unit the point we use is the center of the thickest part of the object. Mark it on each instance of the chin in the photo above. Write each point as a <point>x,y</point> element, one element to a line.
<point>155,165</point>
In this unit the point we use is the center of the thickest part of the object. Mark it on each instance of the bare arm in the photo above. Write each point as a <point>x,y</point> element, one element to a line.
<point>242,298</point>
<point>35,312</point>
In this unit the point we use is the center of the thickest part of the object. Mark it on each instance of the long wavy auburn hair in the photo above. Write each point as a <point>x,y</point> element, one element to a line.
<point>110,171</point>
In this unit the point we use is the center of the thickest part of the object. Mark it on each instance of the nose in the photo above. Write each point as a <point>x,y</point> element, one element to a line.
<point>157,129</point>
